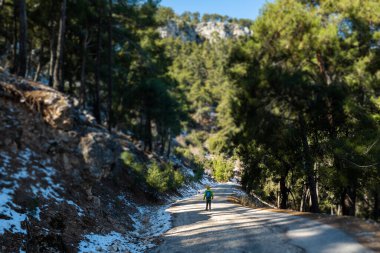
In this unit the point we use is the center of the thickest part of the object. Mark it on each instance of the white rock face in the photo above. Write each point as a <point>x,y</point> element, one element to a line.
<point>203,31</point>
<point>172,30</point>
<point>223,30</point>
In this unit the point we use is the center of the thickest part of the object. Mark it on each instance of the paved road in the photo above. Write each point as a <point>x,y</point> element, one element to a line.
<point>231,228</point>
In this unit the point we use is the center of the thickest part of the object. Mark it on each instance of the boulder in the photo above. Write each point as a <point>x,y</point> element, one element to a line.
<point>100,153</point>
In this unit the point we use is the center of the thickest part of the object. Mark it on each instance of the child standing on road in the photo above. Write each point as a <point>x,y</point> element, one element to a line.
<point>209,195</point>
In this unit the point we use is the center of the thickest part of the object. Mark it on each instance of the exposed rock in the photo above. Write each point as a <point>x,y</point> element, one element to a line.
<point>173,30</point>
<point>203,31</point>
<point>96,202</point>
<point>223,30</point>
<point>51,157</point>
<point>55,108</point>
<point>99,152</point>
<point>73,140</point>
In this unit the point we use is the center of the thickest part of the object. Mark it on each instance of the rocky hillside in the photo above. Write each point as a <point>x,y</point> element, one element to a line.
<point>62,182</point>
<point>203,31</point>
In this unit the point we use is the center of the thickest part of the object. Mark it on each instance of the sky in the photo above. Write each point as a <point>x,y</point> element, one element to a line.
<point>234,8</point>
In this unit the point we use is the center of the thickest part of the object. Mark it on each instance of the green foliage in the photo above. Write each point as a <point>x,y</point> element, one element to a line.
<point>164,14</point>
<point>160,177</point>
<point>164,179</point>
<point>222,168</point>
<point>194,162</point>
<point>129,160</point>
<point>178,179</point>
<point>305,94</point>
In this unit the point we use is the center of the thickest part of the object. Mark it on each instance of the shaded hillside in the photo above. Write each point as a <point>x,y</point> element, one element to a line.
<point>61,174</point>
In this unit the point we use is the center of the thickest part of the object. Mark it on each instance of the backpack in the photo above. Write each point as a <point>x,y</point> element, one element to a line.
<point>208,194</point>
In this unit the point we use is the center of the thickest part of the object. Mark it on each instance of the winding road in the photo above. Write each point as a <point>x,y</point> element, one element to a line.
<point>231,228</point>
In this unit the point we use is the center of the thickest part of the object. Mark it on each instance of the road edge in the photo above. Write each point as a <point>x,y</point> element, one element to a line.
<point>365,232</point>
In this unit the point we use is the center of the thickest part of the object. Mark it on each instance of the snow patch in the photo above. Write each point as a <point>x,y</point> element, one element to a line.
<point>37,214</point>
<point>79,209</point>
<point>10,220</point>
<point>149,222</point>
<point>21,174</point>
<point>6,161</point>
<point>112,242</point>
<point>24,156</point>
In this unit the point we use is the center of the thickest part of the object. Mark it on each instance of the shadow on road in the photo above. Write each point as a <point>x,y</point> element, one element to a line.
<point>230,228</point>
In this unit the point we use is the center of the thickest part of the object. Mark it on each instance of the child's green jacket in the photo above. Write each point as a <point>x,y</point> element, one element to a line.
<point>208,195</point>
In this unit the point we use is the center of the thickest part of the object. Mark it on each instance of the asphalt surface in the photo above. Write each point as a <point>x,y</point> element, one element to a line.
<point>231,228</point>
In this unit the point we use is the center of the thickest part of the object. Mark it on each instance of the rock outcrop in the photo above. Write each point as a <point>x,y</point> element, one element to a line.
<point>55,171</point>
<point>203,31</point>
<point>72,138</point>
<point>223,30</point>
<point>173,30</point>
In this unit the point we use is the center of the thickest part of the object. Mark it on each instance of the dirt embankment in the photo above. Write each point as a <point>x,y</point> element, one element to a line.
<point>61,175</point>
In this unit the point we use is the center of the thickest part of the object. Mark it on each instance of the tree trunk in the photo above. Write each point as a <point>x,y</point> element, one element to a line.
<point>303,198</point>
<point>97,73</point>
<point>3,25</point>
<point>141,129</point>
<point>58,81</point>
<point>38,72</point>
<point>15,38</point>
<point>308,166</point>
<point>71,90</point>
<point>283,192</point>
<point>376,205</point>
<point>348,201</point>
<point>148,132</point>
<point>162,148</point>
<point>21,67</point>
<point>295,206</point>
<point>52,46</point>
<point>29,64</point>
<point>82,96</point>
<point>39,66</point>
<point>109,104</point>
<point>53,52</point>
<point>169,145</point>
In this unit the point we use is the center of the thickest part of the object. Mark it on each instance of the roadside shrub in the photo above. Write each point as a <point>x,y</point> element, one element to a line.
<point>197,138</point>
<point>195,163</point>
<point>222,168</point>
<point>178,179</point>
<point>160,177</point>
<point>129,160</point>
<point>184,153</point>
<point>164,179</point>
<point>217,143</point>
<point>157,178</point>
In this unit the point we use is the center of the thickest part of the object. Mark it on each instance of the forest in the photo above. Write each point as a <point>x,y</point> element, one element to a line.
<point>296,104</point>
